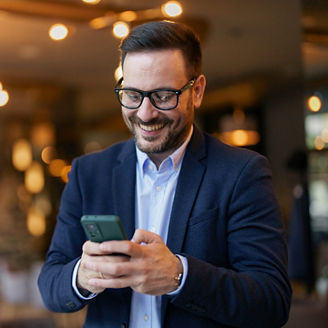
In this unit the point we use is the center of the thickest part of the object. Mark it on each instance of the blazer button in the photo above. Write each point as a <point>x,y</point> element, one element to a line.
<point>123,325</point>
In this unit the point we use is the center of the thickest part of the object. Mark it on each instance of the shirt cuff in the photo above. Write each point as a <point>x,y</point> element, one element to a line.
<point>74,279</point>
<point>184,262</point>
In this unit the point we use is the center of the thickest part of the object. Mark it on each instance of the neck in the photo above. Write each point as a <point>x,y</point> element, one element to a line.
<point>158,158</point>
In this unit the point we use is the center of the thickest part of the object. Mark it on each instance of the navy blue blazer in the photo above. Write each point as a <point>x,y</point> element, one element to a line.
<point>225,220</point>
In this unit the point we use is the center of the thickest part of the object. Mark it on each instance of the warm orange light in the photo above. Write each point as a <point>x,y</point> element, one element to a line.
<point>91,2</point>
<point>56,166</point>
<point>314,103</point>
<point>240,138</point>
<point>58,32</point>
<point>120,29</point>
<point>43,134</point>
<point>172,9</point>
<point>128,16</point>
<point>34,178</point>
<point>64,173</point>
<point>48,154</point>
<point>36,222</point>
<point>21,155</point>
<point>118,73</point>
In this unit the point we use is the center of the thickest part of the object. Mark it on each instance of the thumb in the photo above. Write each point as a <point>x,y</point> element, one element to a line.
<point>147,237</point>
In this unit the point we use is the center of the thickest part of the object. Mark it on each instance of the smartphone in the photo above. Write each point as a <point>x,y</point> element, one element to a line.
<point>99,228</point>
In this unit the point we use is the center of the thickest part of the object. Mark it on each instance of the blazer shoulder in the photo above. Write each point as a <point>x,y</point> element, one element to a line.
<point>115,153</point>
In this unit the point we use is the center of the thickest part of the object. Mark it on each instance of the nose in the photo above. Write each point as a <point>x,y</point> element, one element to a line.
<point>147,112</point>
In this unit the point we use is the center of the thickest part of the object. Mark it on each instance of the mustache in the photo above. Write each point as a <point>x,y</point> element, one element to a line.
<point>136,120</point>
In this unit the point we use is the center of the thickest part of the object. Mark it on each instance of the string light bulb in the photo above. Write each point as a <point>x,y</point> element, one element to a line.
<point>314,103</point>
<point>121,29</point>
<point>58,32</point>
<point>172,9</point>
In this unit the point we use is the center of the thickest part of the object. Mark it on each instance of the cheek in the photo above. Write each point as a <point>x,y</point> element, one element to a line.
<point>126,116</point>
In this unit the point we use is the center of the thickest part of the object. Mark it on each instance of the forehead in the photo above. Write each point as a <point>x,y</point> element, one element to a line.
<point>153,67</point>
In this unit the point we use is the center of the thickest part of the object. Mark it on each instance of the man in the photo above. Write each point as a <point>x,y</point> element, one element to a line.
<point>205,244</point>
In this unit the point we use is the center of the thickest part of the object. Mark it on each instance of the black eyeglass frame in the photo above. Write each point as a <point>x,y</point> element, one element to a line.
<point>148,94</point>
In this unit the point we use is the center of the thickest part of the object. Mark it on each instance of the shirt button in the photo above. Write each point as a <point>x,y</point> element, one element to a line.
<point>146,317</point>
<point>152,229</point>
<point>158,188</point>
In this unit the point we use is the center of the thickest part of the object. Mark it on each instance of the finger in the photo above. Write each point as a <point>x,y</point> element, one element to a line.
<point>91,248</point>
<point>121,282</point>
<point>111,269</point>
<point>144,236</point>
<point>122,247</point>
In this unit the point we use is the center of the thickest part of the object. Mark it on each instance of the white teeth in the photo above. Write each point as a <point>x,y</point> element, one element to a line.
<point>150,128</point>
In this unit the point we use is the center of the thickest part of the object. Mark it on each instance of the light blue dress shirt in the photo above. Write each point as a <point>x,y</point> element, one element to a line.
<point>155,190</point>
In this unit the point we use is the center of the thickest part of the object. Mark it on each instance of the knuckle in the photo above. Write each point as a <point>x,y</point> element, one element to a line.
<point>116,270</point>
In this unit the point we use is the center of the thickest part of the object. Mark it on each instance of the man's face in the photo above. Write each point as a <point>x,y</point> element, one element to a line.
<point>157,131</point>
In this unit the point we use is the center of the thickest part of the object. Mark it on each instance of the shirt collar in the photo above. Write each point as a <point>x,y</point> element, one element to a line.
<point>175,157</point>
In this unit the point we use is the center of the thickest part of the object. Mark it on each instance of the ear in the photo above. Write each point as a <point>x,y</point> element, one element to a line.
<point>199,89</point>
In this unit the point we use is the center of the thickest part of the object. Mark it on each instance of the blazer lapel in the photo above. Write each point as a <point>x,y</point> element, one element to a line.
<point>189,181</point>
<point>124,182</point>
<point>191,175</point>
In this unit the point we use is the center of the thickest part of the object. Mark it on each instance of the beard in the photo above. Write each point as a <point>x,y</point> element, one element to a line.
<point>176,134</point>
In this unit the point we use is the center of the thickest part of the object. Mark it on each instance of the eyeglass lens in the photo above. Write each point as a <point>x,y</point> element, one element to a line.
<point>164,99</point>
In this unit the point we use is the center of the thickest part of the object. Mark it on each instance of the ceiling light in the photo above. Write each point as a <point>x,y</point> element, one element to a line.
<point>172,9</point>
<point>58,32</point>
<point>91,2</point>
<point>121,29</point>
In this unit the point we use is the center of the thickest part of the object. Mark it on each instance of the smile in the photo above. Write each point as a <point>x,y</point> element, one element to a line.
<point>150,128</point>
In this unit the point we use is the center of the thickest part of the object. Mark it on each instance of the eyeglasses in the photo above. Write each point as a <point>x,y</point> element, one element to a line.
<point>163,99</point>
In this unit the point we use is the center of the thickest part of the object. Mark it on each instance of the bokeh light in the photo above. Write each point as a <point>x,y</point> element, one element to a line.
<point>21,155</point>
<point>120,29</point>
<point>172,9</point>
<point>58,32</point>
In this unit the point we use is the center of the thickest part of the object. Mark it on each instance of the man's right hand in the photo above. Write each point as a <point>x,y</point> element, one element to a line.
<point>92,253</point>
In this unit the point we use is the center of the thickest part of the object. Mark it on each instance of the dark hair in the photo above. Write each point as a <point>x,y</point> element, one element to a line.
<point>160,35</point>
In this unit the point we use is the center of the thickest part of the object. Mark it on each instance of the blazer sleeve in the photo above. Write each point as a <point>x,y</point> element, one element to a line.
<point>252,290</point>
<point>55,279</point>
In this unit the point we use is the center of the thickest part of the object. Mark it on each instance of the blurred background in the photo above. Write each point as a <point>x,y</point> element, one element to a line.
<point>266,64</point>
